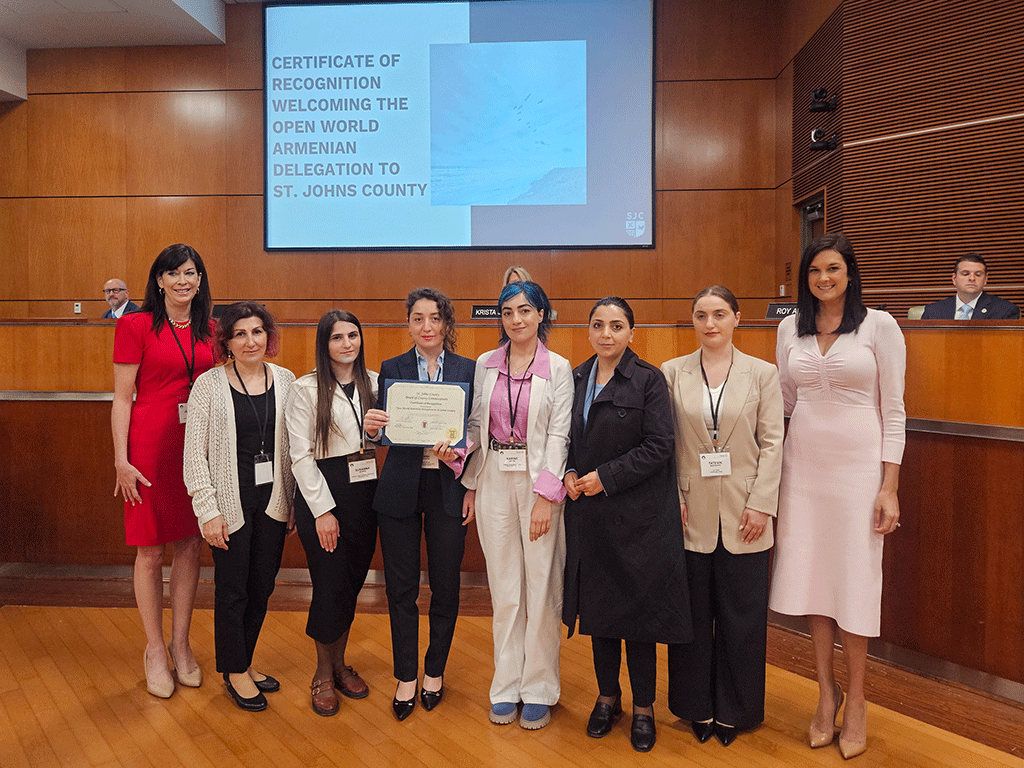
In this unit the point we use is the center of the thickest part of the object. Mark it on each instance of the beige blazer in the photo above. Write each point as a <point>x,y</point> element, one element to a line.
<point>751,430</point>
<point>549,417</point>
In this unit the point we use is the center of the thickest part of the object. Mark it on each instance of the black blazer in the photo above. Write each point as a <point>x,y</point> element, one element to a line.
<point>132,307</point>
<point>398,488</point>
<point>989,307</point>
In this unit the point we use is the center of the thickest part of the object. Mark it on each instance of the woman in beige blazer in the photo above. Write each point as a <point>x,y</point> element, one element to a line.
<point>727,408</point>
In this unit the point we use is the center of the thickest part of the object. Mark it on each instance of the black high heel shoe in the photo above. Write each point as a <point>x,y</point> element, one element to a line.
<point>703,731</point>
<point>403,709</point>
<point>431,699</point>
<point>726,733</point>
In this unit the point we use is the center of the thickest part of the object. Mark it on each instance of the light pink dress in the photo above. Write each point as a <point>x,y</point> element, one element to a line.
<point>847,417</point>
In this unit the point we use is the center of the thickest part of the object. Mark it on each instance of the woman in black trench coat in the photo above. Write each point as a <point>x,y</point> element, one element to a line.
<point>625,570</point>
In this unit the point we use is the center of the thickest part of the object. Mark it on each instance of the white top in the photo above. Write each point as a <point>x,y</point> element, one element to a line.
<point>301,421</point>
<point>210,466</point>
<point>709,419</point>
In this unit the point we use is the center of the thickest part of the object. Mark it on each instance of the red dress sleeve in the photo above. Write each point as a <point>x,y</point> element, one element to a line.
<point>129,337</point>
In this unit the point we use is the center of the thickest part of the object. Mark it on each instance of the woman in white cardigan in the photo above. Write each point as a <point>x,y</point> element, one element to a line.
<point>237,472</point>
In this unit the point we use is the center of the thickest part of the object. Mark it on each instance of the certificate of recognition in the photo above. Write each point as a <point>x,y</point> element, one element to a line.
<point>422,413</point>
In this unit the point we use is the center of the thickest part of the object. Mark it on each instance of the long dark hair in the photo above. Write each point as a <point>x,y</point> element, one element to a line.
<point>444,307</point>
<point>535,297</point>
<point>172,257</point>
<point>325,381</point>
<point>242,310</point>
<point>854,310</point>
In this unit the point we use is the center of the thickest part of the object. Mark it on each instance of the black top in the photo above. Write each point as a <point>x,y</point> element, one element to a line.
<point>247,439</point>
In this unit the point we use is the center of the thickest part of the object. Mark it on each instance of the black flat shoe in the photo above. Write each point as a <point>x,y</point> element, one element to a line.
<point>256,703</point>
<point>403,709</point>
<point>703,731</point>
<point>643,735</point>
<point>600,722</point>
<point>431,699</point>
<point>726,734</point>
<point>267,685</point>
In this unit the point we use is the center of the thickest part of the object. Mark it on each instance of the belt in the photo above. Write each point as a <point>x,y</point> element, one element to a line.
<point>496,446</point>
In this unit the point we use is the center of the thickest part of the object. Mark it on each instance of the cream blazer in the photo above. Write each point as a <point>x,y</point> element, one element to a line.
<point>751,430</point>
<point>301,420</point>
<point>547,428</point>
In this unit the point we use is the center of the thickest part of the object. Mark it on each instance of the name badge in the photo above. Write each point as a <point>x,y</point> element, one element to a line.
<point>264,469</point>
<point>429,459</point>
<point>182,412</point>
<point>362,466</point>
<point>715,464</point>
<point>512,459</point>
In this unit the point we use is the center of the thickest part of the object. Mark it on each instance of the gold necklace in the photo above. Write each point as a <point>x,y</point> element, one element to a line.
<point>176,324</point>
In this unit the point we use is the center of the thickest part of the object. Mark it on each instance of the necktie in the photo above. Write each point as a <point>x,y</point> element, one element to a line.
<point>965,312</point>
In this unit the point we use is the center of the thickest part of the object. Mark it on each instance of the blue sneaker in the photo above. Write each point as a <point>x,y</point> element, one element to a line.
<point>503,713</point>
<point>535,716</point>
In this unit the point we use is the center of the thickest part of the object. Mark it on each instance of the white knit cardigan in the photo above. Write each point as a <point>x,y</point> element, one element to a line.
<point>211,454</point>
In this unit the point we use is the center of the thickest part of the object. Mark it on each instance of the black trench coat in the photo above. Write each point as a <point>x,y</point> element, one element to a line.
<point>625,568</point>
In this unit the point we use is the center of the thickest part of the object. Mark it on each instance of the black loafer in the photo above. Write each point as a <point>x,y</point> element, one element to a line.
<point>600,722</point>
<point>256,703</point>
<point>703,731</point>
<point>643,735</point>
<point>726,734</point>
<point>431,699</point>
<point>403,709</point>
<point>267,685</point>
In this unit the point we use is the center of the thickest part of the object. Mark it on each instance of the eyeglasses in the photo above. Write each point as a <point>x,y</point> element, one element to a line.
<point>108,291</point>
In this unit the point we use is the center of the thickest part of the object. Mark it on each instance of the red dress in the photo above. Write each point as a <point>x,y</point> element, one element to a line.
<point>156,438</point>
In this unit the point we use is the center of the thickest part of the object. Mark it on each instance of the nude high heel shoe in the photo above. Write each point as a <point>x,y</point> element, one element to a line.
<point>192,679</point>
<point>160,689</point>
<point>818,739</point>
<point>850,749</point>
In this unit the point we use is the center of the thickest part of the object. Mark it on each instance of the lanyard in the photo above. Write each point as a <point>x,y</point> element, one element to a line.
<point>355,412</point>
<point>715,407</point>
<point>522,383</point>
<point>266,404</point>
<point>190,367</point>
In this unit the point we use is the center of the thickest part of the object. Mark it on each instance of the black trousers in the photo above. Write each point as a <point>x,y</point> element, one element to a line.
<point>337,576</point>
<point>400,545</point>
<point>243,581</point>
<point>642,660</point>
<point>721,673</point>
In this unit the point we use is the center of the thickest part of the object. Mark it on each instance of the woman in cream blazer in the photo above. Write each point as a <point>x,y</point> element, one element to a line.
<point>522,394</point>
<point>725,404</point>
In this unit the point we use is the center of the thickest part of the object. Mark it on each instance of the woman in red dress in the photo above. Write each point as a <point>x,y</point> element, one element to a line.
<point>158,353</point>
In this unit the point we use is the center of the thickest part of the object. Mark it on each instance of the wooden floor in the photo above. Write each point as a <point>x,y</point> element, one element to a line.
<point>72,694</point>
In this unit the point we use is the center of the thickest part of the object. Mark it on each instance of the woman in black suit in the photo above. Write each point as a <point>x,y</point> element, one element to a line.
<point>625,568</point>
<point>418,493</point>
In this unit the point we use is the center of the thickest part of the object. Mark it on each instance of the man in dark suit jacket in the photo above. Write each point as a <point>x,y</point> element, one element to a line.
<point>412,498</point>
<point>970,273</point>
<point>115,292</point>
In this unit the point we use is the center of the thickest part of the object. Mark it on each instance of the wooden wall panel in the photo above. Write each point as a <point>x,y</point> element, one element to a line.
<point>13,149</point>
<point>797,21</point>
<point>787,242</point>
<point>162,68</point>
<point>243,129</point>
<point>15,228</point>
<point>156,222</point>
<point>76,70</point>
<point>84,245</point>
<point>723,237</point>
<point>953,575</point>
<point>716,135</point>
<point>784,126</point>
<point>76,144</point>
<point>698,40</point>
<point>176,143</point>
<point>244,47</point>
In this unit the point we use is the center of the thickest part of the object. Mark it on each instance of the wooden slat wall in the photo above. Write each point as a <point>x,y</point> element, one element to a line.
<point>915,203</point>
<point>118,152</point>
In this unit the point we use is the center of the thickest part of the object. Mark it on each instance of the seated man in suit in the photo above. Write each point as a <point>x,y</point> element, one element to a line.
<point>970,273</point>
<point>116,294</point>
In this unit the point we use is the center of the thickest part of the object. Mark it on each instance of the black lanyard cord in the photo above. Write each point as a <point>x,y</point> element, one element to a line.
<point>514,411</point>
<point>266,404</point>
<point>355,411</point>
<point>190,367</point>
<point>715,407</point>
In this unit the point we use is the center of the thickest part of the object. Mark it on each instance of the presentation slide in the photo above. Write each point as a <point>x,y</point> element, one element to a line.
<point>493,124</point>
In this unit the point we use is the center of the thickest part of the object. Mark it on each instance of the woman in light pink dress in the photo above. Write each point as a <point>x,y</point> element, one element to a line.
<point>841,366</point>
